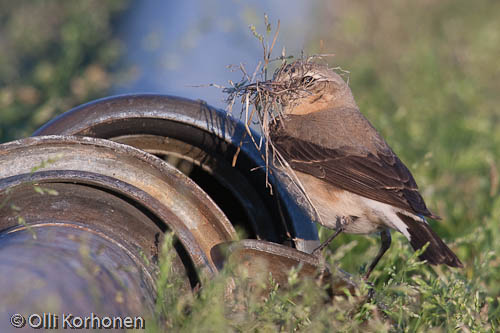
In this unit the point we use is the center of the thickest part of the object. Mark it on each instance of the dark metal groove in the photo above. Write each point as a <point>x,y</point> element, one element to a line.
<point>167,125</point>
<point>186,209</point>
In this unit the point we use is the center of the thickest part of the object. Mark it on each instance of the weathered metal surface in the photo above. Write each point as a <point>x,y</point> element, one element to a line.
<point>261,256</point>
<point>173,199</point>
<point>194,131</point>
<point>232,191</point>
<point>69,269</point>
<point>94,201</point>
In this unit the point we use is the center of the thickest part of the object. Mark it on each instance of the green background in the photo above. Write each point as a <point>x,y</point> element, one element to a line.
<point>425,74</point>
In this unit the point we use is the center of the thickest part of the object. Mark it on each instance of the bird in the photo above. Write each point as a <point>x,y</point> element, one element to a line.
<point>353,179</point>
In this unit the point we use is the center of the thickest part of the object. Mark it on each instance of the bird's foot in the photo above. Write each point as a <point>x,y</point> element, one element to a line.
<point>370,286</point>
<point>371,291</point>
<point>317,251</point>
<point>342,221</point>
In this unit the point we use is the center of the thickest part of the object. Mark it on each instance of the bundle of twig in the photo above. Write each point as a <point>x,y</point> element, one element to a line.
<point>262,102</point>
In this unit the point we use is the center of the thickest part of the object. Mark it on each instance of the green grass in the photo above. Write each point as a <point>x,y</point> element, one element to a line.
<point>409,296</point>
<point>424,73</point>
<point>55,55</point>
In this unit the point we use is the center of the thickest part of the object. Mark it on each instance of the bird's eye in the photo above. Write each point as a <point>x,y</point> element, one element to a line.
<point>307,79</point>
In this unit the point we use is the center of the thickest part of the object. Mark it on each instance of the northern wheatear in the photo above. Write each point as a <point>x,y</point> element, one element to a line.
<point>355,181</point>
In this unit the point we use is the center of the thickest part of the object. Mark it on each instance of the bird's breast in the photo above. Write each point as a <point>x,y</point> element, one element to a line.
<point>331,202</point>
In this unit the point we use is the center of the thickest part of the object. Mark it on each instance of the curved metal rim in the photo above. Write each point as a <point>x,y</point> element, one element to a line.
<point>140,169</point>
<point>90,118</point>
<point>227,177</point>
<point>141,199</point>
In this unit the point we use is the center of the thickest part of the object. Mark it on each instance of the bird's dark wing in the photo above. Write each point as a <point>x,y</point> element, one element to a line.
<point>378,175</point>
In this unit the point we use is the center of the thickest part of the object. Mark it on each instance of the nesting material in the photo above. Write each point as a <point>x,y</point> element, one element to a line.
<point>262,104</point>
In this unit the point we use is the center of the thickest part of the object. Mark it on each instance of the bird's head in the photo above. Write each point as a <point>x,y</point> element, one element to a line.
<point>309,87</point>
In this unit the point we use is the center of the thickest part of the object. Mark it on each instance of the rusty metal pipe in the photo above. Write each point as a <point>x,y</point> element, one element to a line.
<point>111,200</point>
<point>196,220</point>
<point>69,269</point>
<point>207,137</point>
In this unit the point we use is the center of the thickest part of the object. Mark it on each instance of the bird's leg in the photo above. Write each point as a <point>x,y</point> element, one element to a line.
<point>325,243</point>
<point>385,237</point>
<point>340,223</point>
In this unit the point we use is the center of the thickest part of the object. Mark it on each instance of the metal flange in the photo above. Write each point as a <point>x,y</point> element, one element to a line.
<point>168,198</point>
<point>208,138</point>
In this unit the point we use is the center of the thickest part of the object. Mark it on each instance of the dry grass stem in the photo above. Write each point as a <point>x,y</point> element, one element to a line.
<point>262,99</point>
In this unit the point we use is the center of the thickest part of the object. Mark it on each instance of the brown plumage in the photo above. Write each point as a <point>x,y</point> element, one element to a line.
<point>348,160</point>
<point>354,179</point>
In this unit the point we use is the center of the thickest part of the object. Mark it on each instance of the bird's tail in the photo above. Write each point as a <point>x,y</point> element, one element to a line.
<point>437,252</point>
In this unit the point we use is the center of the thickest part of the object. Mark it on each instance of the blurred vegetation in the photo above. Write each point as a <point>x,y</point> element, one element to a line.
<point>424,73</point>
<point>56,54</point>
<point>412,298</point>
